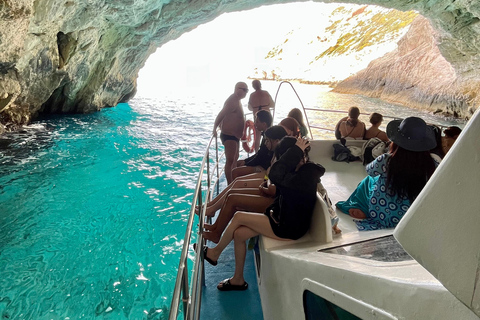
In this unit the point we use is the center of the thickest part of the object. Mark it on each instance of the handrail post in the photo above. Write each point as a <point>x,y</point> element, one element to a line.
<point>216,161</point>
<point>185,289</point>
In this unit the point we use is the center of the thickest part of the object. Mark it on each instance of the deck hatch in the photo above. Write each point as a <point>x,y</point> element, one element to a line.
<point>385,249</point>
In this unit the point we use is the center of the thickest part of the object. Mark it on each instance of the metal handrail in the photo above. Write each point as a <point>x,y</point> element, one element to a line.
<point>181,284</point>
<point>303,107</point>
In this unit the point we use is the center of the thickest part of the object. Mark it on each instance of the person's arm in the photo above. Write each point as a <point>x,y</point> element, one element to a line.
<point>250,105</point>
<point>227,107</point>
<point>338,135</point>
<point>218,120</point>
<point>377,166</point>
<point>382,136</point>
<point>271,105</point>
<point>261,158</point>
<point>283,174</point>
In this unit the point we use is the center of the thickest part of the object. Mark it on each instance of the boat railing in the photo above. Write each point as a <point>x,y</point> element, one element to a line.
<point>190,293</point>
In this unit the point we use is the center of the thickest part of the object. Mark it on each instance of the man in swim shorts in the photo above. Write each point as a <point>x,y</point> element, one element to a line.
<point>259,100</point>
<point>231,121</point>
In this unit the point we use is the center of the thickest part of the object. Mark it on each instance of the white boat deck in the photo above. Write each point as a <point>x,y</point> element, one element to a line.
<point>340,179</point>
<point>367,288</point>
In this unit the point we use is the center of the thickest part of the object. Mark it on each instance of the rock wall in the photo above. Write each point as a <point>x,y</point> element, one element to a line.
<point>416,75</point>
<point>79,56</point>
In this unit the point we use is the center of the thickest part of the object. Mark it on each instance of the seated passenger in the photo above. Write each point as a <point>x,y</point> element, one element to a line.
<point>262,158</point>
<point>350,127</point>
<point>374,131</point>
<point>261,161</point>
<point>288,217</point>
<point>395,178</point>
<point>291,126</point>
<point>451,134</point>
<point>296,114</point>
<point>251,181</point>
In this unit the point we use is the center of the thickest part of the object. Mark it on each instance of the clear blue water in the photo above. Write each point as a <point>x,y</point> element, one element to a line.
<point>94,207</point>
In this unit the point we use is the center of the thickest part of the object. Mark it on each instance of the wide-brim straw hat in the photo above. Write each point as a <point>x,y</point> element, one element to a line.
<point>412,134</point>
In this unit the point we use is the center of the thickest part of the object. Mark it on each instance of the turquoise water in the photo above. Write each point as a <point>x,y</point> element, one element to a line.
<point>94,207</point>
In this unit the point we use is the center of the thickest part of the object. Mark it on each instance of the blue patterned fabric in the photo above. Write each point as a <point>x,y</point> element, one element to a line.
<point>384,209</point>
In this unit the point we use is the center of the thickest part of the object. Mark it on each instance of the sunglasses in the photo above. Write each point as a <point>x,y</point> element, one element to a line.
<point>244,89</point>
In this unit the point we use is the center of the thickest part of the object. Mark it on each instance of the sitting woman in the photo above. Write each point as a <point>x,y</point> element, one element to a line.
<point>350,127</point>
<point>396,178</point>
<point>288,217</point>
<point>296,114</point>
<point>261,161</point>
<point>374,131</point>
<point>291,126</point>
<point>451,134</point>
<point>249,183</point>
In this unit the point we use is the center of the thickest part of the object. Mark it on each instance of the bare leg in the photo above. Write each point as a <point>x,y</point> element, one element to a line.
<point>211,209</point>
<point>250,181</point>
<point>242,171</point>
<point>257,222</point>
<point>231,157</point>
<point>250,203</point>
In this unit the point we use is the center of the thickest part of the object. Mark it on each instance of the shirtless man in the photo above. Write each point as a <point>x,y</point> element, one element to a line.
<point>231,121</point>
<point>259,100</point>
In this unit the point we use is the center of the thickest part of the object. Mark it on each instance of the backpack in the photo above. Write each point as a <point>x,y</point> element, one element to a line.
<point>342,153</point>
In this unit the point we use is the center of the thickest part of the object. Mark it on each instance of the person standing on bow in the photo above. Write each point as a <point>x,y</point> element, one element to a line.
<point>231,120</point>
<point>259,100</point>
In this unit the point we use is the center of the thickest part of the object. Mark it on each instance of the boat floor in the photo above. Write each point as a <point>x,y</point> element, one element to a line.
<point>234,304</point>
<point>231,305</point>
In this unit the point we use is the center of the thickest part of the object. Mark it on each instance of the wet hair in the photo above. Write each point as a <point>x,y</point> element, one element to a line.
<point>353,113</point>
<point>296,114</point>
<point>256,84</point>
<point>292,125</point>
<point>408,171</point>
<point>265,116</point>
<point>275,132</point>
<point>452,131</point>
<point>376,118</point>
<point>285,144</point>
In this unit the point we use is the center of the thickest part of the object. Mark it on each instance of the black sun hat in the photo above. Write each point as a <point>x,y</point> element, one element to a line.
<point>412,134</point>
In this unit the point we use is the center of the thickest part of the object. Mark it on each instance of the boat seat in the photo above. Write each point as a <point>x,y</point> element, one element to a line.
<point>340,180</point>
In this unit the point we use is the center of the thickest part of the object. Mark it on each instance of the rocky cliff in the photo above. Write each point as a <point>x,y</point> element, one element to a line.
<point>79,56</point>
<point>417,75</point>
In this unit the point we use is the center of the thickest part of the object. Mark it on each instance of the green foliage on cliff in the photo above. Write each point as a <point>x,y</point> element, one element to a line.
<point>375,30</point>
<point>354,30</point>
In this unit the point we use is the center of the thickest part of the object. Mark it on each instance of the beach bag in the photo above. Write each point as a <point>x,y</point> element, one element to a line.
<point>342,153</point>
<point>372,149</point>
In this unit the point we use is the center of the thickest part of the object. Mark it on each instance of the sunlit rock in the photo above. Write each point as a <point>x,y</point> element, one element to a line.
<point>417,75</point>
<point>80,56</point>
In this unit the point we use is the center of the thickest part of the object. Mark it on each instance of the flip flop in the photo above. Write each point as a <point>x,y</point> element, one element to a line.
<point>205,249</point>
<point>225,285</point>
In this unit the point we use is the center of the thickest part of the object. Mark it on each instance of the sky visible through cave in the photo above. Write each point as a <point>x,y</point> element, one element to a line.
<point>228,49</point>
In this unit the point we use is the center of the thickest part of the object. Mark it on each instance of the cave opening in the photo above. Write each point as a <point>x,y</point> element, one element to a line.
<point>319,43</point>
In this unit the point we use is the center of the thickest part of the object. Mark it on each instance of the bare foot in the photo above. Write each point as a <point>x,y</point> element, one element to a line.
<point>211,236</point>
<point>209,227</point>
<point>356,213</point>
<point>336,229</point>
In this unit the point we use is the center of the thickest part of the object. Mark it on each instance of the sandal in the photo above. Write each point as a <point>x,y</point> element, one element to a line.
<point>205,249</point>
<point>225,285</point>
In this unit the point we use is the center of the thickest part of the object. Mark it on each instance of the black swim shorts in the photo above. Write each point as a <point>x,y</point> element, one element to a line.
<point>224,137</point>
